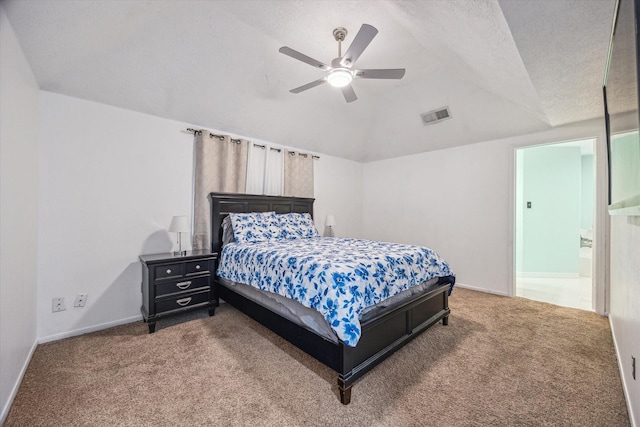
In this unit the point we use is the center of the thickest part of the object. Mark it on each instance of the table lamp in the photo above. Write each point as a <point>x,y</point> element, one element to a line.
<point>330,222</point>
<point>180,224</point>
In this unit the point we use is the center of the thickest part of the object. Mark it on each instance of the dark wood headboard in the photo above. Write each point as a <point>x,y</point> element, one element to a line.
<point>222,204</point>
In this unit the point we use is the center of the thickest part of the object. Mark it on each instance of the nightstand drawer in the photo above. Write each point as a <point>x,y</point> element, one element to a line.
<point>197,267</point>
<point>168,270</point>
<point>181,301</point>
<point>185,285</point>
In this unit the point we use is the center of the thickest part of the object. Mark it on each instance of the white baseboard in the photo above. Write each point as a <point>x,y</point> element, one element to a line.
<point>82,331</point>
<point>535,275</point>
<point>625,390</point>
<point>479,289</point>
<point>16,386</point>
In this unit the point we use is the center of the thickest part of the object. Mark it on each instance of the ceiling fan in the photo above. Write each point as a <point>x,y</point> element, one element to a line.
<point>340,73</point>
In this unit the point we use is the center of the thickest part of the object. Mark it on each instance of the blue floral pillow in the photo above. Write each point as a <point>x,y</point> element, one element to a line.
<point>297,226</point>
<point>255,227</point>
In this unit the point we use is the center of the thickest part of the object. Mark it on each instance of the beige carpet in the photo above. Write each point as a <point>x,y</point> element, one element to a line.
<point>500,362</point>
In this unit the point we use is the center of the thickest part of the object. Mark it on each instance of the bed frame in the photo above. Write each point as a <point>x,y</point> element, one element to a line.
<point>380,337</point>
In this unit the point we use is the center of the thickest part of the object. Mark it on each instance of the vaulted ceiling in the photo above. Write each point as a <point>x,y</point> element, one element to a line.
<point>504,68</point>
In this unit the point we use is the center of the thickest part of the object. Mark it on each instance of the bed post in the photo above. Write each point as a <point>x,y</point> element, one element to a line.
<point>445,319</point>
<point>345,391</point>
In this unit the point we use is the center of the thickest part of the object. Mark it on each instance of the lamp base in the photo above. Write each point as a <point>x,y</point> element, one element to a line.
<point>180,252</point>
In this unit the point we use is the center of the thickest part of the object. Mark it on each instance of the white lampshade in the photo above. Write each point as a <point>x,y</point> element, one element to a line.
<point>330,221</point>
<point>180,224</point>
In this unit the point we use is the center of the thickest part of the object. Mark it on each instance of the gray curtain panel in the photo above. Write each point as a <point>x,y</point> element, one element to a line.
<point>298,174</point>
<point>220,166</point>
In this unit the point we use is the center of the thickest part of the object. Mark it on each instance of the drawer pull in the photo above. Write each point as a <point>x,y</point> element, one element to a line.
<point>184,301</point>
<point>198,267</point>
<point>184,285</point>
<point>168,271</point>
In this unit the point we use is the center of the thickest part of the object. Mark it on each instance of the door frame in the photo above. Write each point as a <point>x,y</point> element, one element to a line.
<point>600,248</point>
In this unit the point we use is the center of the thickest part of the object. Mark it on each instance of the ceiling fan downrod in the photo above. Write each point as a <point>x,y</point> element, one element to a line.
<point>340,34</point>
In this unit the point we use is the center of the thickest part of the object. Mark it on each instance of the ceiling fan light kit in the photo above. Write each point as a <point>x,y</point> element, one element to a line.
<point>340,77</point>
<point>340,73</point>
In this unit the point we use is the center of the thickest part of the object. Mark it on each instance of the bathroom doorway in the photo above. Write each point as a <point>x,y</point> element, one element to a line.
<point>554,223</point>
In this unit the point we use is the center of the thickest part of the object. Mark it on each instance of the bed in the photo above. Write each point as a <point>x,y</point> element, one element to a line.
<point>383,329</point>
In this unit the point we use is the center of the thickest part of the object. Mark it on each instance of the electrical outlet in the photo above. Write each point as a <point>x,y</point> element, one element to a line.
<point>81,300</point>
<point>58,304</point>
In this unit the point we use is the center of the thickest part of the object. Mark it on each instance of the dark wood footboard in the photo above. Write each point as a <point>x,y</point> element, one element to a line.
<point>381,337</point>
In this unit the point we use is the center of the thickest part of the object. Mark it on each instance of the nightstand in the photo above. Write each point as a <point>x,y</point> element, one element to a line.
<point>173,284</point>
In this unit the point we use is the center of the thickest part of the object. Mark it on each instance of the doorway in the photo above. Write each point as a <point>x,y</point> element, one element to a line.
<point>554,223</point>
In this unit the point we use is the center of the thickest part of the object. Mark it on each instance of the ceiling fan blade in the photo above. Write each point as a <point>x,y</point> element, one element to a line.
<point>309,85</point>
<point>349,93</point>
<point>359,44</point>
<point>304,58</point>
<point>390,73</point>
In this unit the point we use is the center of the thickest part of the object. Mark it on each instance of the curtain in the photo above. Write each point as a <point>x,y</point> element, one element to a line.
<point>298,174</point>
<point>220,166</point>
<point>256,168</point>
<point>264,174</point>
<point>273,178</point>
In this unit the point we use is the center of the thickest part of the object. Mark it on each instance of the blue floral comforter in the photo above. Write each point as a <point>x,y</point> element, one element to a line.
<point>337,277</point>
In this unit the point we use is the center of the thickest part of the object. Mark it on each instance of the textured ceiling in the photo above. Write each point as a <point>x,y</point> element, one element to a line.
<point>504,68</point>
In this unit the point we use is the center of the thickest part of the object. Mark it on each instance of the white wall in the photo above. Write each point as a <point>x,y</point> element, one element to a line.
<point>18,213</point>
<point>454,201</point>
<point>460,202</point>
<point>338,191</point>
<point>624,313</point>
<point>625,302</point>
<point>110,181</point>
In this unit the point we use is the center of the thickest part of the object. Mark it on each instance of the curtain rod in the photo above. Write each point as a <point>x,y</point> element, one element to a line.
<point>221,138</point>
<point>211,135</point>
<point>264,147</point>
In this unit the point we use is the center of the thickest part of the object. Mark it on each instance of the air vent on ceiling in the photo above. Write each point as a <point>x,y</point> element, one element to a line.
<point>435,116</point>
